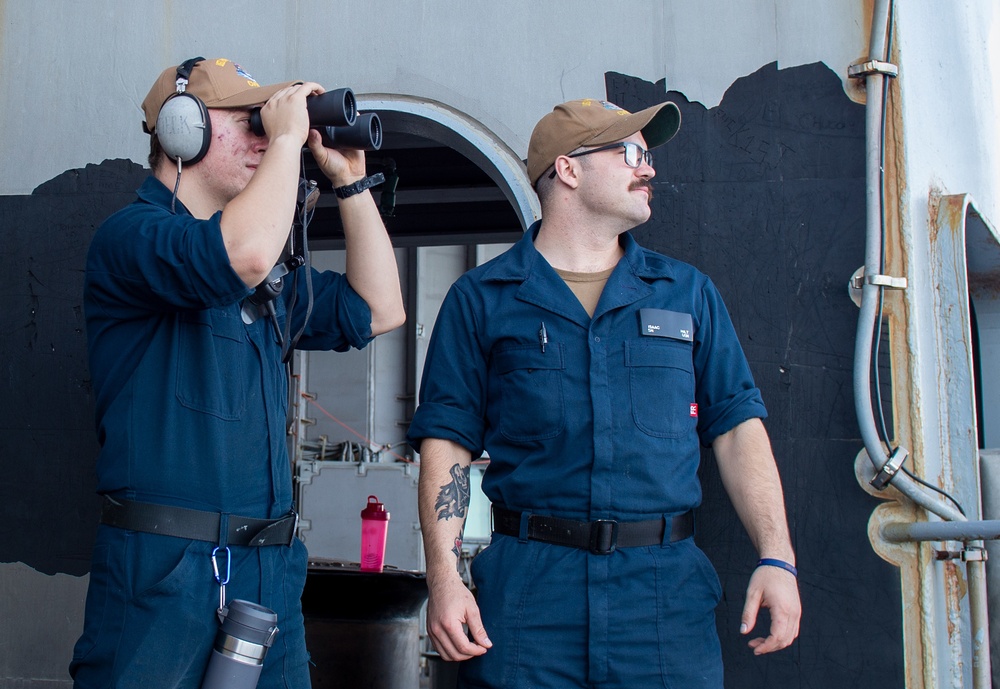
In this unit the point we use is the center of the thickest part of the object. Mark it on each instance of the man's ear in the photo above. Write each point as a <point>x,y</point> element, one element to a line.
<point>568,171</point>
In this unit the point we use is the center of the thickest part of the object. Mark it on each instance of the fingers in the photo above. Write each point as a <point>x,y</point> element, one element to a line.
<point>750,609</point>
<point>341,166</point>
<point>452,642</point>
<point>448,617</point>
<point>306,88</point>
<point>285,111</point>
<point>453,645</point>
<point>777,591</point>
<point>782,635</point>
<point>476,628</point>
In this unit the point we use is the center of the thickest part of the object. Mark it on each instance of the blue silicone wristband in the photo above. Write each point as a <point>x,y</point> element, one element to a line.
<point>781,564</point>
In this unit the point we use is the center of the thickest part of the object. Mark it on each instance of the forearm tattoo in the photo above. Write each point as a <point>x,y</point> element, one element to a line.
<point>453,501</point>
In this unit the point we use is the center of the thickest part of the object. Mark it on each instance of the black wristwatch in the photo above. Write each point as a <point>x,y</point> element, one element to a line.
<point>365,183</point>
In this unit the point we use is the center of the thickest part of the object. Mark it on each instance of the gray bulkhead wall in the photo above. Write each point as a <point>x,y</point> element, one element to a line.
<point>74,74</point>
<point>761,191</point>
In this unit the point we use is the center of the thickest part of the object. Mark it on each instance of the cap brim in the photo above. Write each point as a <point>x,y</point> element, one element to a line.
<point>664,124</point>
<point>658,125</point>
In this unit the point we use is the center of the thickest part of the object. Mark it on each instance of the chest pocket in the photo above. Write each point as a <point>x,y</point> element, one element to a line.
<point>661,385</point>
<point>214,363</point>
<point>532,406</point>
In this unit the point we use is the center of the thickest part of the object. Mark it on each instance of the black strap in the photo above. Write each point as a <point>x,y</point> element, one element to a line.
<point>349,190</point>
<point>600,537</point>
<point>197,525</point>
<point>184,69</point>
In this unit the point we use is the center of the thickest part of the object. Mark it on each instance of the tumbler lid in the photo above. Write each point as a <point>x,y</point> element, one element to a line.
<point>374,510</point>
<point>250,622</point>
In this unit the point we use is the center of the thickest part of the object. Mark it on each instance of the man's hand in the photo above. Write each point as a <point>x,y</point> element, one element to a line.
<point>341,166</point>
<point>451,609</point>
<point>284,114</point>
<point>777,590</point>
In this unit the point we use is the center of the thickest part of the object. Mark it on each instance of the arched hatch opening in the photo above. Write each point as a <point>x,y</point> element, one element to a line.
<point>462,196</point>
<point>458,183</point>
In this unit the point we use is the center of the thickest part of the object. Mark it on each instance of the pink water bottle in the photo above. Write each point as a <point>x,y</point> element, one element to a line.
<point>374,526</point>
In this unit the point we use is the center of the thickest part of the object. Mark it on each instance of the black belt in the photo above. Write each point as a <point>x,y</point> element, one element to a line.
<point>197,524</point>
<point>600,537</point>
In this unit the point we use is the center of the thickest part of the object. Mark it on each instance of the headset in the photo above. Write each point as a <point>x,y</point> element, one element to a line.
<point>183,125</point>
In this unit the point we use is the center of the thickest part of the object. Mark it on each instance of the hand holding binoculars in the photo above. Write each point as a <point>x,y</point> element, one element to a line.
<point>335,115</point>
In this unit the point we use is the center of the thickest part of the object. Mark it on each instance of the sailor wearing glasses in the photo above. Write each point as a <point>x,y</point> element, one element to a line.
<point>590,370</point>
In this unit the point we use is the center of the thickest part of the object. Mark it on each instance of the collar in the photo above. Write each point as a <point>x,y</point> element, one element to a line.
<point>155,192</point>
<point>523,259</point>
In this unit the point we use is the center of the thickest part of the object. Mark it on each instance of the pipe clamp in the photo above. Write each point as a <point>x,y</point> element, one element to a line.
<point>866,69</point>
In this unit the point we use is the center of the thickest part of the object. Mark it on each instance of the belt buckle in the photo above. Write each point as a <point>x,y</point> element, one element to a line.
<point>603,536</point>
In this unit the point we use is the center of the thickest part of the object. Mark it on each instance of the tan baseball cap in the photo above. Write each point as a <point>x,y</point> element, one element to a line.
<point>219,83</point>
<point>591,122</point>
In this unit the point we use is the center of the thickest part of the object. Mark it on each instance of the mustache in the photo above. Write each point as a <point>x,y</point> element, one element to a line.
<point>642,184</point>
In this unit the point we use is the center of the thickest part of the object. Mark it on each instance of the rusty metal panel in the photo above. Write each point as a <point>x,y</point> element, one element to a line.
<point>940,424</point>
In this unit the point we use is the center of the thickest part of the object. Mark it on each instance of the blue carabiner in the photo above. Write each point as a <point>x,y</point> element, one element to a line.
<point>215,565</point>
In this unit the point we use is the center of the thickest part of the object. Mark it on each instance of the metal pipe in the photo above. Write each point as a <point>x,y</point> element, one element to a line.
<point>965,531</point>
<point>874,89</point>
<point>989,477</point>
<point>874,86</point>
<point>972,533</point>
<point>980,620</point>
<point>958,528</point>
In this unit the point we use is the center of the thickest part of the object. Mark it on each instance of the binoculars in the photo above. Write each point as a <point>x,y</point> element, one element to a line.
<point>335,115</point>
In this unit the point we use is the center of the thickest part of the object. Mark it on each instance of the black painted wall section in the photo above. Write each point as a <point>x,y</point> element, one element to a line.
<point>48,509</point>
<point>766,194</point>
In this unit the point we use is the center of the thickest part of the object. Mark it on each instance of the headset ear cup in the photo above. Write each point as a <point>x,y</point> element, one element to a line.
<point>184,128</point>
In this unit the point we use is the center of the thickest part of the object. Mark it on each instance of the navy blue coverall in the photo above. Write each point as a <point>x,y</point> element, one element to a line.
<point>191,412</point>
<point>602,420</point>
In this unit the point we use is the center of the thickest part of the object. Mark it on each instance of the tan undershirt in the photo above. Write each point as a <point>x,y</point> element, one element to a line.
<point>586,286</point>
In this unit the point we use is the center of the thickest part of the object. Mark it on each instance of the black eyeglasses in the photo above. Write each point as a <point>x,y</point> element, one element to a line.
<point>634,154</point>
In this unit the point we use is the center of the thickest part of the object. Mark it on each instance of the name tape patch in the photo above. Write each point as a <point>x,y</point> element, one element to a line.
<point>663,323</point>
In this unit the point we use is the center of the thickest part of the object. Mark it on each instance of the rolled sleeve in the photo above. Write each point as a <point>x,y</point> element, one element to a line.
<point>340,318</point>
<point>435,420</point>
<point>453,385</point>
<point>726,393</point>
